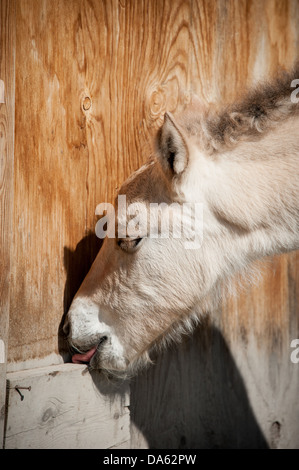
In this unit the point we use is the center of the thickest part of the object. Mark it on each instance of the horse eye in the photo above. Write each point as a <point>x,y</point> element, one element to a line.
<point>128,244</point>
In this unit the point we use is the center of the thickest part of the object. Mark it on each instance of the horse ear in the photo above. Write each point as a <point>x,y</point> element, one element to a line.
<point>172,146</point>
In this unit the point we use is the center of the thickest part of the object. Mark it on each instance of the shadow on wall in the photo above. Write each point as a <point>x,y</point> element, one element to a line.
<point>192,398</point>
<point>77,263</point>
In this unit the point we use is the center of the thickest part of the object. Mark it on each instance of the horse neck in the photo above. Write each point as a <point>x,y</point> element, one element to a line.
<point>251,200</point>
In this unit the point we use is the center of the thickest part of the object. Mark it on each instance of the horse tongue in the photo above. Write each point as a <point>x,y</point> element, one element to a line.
<point>83,358</point>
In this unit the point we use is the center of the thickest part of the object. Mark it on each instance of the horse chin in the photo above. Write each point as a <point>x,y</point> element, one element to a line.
<point>108,361</point>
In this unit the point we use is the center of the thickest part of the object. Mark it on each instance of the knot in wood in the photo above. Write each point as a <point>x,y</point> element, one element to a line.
<point>157,103</point>
<point>86,103</point>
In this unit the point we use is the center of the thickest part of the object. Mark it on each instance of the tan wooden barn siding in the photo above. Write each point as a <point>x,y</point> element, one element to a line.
<point>7,106</point>
<point>93,79</point>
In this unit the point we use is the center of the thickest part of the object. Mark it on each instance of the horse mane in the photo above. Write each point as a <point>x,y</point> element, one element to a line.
<point>247,119</point>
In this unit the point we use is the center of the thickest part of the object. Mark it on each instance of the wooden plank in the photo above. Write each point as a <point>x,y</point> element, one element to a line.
<point>69,157</point>
<point>7,107</point>
<point>66,407</point>
<point>260,343</point>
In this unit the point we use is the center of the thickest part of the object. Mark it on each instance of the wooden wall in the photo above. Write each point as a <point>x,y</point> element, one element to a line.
<point>7,107</point>
<point>92,81</point>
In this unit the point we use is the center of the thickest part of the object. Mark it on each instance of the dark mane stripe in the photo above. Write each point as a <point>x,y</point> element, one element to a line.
<point>262,108</point>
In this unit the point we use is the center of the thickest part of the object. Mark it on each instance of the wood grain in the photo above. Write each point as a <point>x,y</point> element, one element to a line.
<point>54,414</point>
<point>7,106</point>
<point>69,159</point>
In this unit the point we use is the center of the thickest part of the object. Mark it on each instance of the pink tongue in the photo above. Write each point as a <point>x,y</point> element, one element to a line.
<point>82,358</point>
